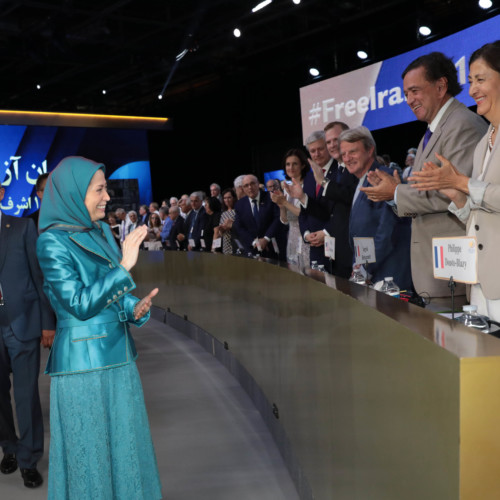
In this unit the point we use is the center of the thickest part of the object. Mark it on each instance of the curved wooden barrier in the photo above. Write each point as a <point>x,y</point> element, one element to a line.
<point>368,397</point>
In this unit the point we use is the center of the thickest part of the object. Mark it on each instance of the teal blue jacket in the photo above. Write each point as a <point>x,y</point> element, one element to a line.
<point>91,298</point>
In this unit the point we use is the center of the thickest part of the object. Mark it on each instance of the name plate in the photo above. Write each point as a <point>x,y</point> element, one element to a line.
<point>330,247</point>
<point>364,250</point>
<point>455,257</point>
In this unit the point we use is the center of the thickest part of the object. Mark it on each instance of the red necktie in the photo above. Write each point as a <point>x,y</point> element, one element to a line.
<point>318,186</point>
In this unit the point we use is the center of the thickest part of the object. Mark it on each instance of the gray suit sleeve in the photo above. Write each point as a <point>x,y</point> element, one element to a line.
<point>457,141</point>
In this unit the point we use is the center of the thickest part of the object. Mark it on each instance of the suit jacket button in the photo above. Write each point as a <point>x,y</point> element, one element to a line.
<point>476,227</point>
<point>125,288</point>
<point>114,297</point>
<point>119,292</point>
<point>111,266</point>
<point>109,301</point>
<point>480,246</point>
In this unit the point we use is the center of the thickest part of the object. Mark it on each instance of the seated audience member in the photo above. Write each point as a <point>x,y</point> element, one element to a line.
<point>164,203</point>
<point>174,242</point>
<point>376,220</point>
<point>212,209</point>
<point>257,220</point>
<point>226,221</point>
<point>132,218</point>
<point>143,215</point>
<point>296,167</point>
<point>238,187</point>
<point>174,202</point>
<point>195,221</point>
<point>115,227</point>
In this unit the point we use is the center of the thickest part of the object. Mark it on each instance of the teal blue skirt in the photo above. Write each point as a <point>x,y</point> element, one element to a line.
<point>100,442</point>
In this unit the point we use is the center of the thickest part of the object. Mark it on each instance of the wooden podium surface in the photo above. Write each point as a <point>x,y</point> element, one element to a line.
<point>378,398</point>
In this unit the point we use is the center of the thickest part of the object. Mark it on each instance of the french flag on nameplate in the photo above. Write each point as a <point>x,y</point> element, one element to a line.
<point>438,257</point>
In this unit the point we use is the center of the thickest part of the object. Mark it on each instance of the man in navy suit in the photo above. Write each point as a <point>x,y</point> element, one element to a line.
<point>377,220</point>
<point>257,221</point>
<point>173,243</point>
<point>26,320</point>
<point>195,222</point>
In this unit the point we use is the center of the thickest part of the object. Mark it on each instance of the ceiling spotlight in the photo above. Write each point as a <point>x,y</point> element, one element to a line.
<point>38,86</point>
<point>313,72</point>
<point>296,2</point>
<point>362,54</point>
<point>160,97</point>
<point>180,55</point>
<point>261,5</point>
<point>104,92</point>
<point>485,4</point>
<point>237,33</point>
<point>424,30</point>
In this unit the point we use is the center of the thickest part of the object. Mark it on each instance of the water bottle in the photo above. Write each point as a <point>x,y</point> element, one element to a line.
<point>358,277</point>
<point>390,288</point>
<point>471,318</point>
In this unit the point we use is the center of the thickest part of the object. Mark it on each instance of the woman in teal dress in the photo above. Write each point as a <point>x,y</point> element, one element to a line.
<point>100,445</point>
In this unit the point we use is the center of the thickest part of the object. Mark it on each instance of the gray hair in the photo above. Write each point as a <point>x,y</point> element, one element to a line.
<point>119,211</point>
<point>173,198</point>
<point>359,134</point>
<point>216,185</point>
<point>197,194</point>
<point>238,182</point>
<point>132,212</point>
<point>175,209</point>
<point>317,135</point>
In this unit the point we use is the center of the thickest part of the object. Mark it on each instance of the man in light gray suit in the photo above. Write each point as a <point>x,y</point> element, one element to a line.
<point>430,84</point>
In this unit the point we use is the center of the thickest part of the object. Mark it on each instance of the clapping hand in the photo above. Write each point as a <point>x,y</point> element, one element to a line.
<point>131,245</point>
<point>144,305</point>
<point>295,190</point>
<point>434,177</point>
<point>383,185</point>
<point>319,175</point>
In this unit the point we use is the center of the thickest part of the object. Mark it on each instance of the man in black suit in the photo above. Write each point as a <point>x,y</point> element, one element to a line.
<point>173,242</point>
<point>26,320</point>
<point>143,215</point>
<point>333,202</point>
<point>257,220</point>
<point>195,221</point>
<point>322,215</point>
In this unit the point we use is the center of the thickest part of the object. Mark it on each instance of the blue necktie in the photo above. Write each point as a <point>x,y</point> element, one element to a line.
<point>255,210</point>
<point>427,136</point>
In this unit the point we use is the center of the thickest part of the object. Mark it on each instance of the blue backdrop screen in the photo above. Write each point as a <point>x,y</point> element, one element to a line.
<point>28,151</point>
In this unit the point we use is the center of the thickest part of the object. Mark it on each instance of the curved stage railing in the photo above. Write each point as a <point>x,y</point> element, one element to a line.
<point>368,397</point>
